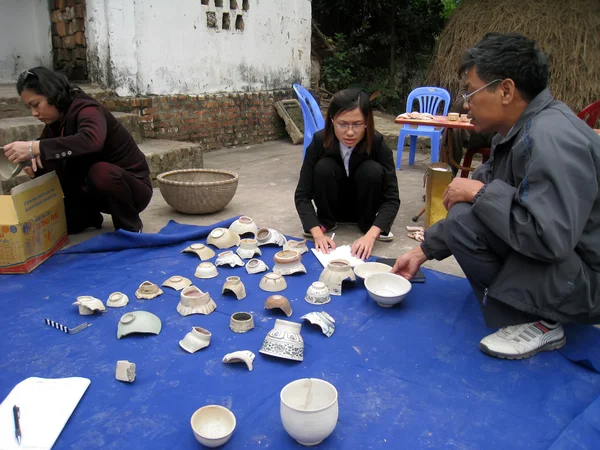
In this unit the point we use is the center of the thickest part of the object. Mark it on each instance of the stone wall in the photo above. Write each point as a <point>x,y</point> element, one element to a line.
<point>212,120</point>
<point>68,37</point>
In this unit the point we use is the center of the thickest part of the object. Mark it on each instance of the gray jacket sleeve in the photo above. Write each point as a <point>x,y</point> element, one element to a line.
<point>544,216</point>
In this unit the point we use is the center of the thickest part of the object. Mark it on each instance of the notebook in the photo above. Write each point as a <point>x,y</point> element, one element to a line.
<point>341,252</point>
<point>46,405</point>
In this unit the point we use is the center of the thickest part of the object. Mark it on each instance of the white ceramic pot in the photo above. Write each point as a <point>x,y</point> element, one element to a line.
<point>213,425</point>
<point>309,410</point>
<point>284,341</point>
<point>387,289</point>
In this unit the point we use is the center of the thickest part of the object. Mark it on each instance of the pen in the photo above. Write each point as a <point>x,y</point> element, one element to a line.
<point>17,415</point>
<point>332,236</point>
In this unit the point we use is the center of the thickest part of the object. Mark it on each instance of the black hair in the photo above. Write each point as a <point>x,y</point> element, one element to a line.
<point>510,55</point>
<point>52,85</point>
<point>347,100</point>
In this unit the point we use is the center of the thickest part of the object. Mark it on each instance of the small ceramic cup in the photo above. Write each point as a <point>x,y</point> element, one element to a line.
<point>453,117</point>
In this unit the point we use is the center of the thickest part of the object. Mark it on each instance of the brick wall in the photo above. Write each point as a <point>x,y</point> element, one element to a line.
<point>68,37</point>
<point>213,120</point>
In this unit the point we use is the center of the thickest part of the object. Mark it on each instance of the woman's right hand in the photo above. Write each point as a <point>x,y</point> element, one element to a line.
<point>322,242</point>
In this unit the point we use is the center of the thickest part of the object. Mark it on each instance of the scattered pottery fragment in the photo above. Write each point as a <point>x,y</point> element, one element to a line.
<point>138,322</point>
<point>241,322</point>
<point>125,371</point>
<point>229,258</point>
<point>256,266</point>
<point>213,425</point>
<point>287,262</point>
<point>309,410</point>
<point>244,225</point>
<point>235,285</point>
<point>148,290</point>
<point>284,341</point>
<point>194,301</point>
<point>195,340</point>
<point>206,270</point>
<point>245,356</point>
<point>317,293</point>
<point>272,282</point>
<point>299,246</point>
<point>178,283</point>
<point>223,238</point>
<point>266,236</point>
<point>248,248</point>
<point>88,305</point>
<point>321,318</point>
<point>336,271</point>
<point>279,301</point>
<point>201,250</point>
<point>117,300</point>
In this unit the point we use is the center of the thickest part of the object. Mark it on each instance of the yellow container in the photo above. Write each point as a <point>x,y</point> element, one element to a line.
<point>438,177</point>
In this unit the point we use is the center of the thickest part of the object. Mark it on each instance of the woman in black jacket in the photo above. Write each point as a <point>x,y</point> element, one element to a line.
<point>349,173</point>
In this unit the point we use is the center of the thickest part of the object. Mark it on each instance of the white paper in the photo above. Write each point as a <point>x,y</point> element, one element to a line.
<point>45,405</point>
<point>341,252</point>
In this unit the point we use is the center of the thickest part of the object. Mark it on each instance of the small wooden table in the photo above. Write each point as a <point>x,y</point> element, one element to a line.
<point>441,121</point>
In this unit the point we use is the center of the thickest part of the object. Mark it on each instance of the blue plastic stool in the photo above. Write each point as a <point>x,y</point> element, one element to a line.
<point>313,118</point>
<point>429,101</point>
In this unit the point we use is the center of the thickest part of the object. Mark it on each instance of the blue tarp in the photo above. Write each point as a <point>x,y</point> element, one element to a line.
<point>408,377</point>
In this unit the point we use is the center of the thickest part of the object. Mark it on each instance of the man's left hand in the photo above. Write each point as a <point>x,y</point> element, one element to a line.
<point>460,190</point>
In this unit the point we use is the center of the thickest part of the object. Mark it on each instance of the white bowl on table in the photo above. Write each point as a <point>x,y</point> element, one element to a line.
<point>369,268</point>
<point>213,425</point>
<point>387,289</point>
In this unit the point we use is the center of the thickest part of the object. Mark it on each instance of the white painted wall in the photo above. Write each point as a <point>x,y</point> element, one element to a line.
<point>166,47</point>
<point>25,39</point>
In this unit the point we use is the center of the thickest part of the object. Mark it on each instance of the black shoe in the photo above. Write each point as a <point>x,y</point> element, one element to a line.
<point>77,224</point>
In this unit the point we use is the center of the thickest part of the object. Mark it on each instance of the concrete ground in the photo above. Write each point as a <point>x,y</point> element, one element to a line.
<point>268,174</point>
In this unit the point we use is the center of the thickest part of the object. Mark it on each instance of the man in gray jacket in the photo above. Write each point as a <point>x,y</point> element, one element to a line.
<point>526,229</point>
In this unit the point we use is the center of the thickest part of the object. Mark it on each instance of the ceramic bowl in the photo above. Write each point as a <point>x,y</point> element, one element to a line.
<point>317,293</point>
<point>206,270</point>
<point>201,250</point>
<point>266,236</point>
<point>213,425</point>
<point>256,266</point>
<point>272,282</point>
<point>248,248</point>
<point>223,238</point>
<point>148,290</point>
<point>387,289</point>
<point>299,246</point>
<point>7,169</point>
<point>194,301</point>
<point>288,262</point>
<point>244,225</point>
<point>117,300</point>
<point>335,273</point>
<point>138,322</point>
<point>235,285</point>
<point>369,268</point>
<point>309,410</point>
<point>279,302</point>
<point>177,282</point>
<point>228,258</point>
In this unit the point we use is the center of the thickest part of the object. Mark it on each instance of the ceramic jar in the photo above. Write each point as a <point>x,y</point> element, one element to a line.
<point>195,340</point>
<point>229,258</point>
<point>336,271</point>
<point>288,262</point>
<point>309,410</point>
<point>235,285</point>
<point>244,225</point>
<point>248,248</point>
<point>317,293</point>
<point>284,341</point>
<point>223,238</point>
<point>241,322</point>
<point>201,250</point>
<point>299,246</point>
<point>272,282</point>
<point>256,266</point>
<point>266,236</point>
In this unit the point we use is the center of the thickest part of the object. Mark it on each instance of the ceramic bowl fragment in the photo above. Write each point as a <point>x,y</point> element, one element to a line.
<point>213,425</point>
<point>288,262</point>
<point>244,225</point>
<point>241,322</point>
<point>335,273</point>
<point>299,246</point>
<point>88,305</point>
<point>229,258</point>
<point>269,236</point>
<point>279,302</point>
<point>284,341</point>
<point>195,340</point>
<point>369,268</point>
<point>201,250</point>
<point>138,322</point>
<point>117,300</point>
<point>177,282</point>
<point>256,266</point>
<point>148,290</point>
<point>248,249</point>
<point>125,371</point>
<point>235,285</point>
<point>194,301</point>
<point>245,356</point>
<point>317,293</point>
<point>223,238</point>
<point>323,320</point>
<point>206,270</point>
<point>272,282</point>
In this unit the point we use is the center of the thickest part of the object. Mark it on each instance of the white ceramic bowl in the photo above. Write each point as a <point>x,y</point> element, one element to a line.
<point>212,425</point>
<point>309,410</point>
<point>387,289</point>
<point>206,270</point>
<point>369,268</point>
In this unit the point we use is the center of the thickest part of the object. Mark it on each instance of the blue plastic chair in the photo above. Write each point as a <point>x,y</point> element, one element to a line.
<point>429,101</point>
<point>313,118</point>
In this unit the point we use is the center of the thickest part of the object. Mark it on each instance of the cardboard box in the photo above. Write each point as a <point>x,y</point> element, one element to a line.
<point>32,224</point>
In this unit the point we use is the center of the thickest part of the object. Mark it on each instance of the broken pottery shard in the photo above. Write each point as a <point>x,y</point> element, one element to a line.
<point>125,371</point>
<point>245,356</point>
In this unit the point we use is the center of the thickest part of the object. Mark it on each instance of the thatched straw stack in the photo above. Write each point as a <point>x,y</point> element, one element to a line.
<point>567,30</point>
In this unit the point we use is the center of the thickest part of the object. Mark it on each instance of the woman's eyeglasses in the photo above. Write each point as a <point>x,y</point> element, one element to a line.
<point>467,97</point>
<point>348,126</point>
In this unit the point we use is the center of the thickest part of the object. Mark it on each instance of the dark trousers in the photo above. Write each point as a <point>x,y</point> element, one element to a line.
<point>481,255</point>
<point>109,189</point>
<point>341,199</point>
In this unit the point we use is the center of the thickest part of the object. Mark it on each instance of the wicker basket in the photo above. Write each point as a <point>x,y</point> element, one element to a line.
<point>198,191</point>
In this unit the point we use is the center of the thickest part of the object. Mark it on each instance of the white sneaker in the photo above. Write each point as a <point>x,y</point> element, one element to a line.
<point>523,341</point>
<point>385,237</point>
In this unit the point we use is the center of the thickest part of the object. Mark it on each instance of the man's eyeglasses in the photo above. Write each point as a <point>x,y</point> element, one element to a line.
<point>25,75</point>
<point>467,97</point>
<point>347,126</point>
